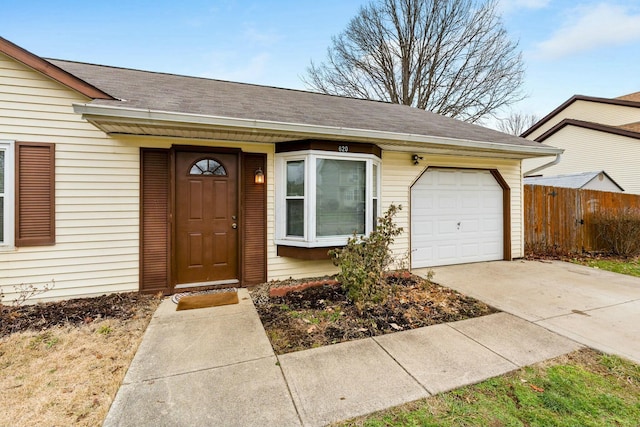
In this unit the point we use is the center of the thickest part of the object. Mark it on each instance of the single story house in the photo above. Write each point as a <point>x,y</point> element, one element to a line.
<point>117,180</point>
<point>596,134</point>
<point>597,180</point>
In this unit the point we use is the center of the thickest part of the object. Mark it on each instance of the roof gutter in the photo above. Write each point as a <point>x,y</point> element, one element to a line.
<point>546,165</point>
<point>105,113</point>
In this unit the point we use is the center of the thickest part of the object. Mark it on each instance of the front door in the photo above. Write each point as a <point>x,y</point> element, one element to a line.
<point>206,220</point>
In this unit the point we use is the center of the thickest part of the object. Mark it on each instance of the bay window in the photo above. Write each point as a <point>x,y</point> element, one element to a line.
<point>326,197</point>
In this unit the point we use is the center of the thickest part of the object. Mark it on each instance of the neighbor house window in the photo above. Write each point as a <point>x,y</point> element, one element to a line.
<point>325,197</point>
<point>6,193</point>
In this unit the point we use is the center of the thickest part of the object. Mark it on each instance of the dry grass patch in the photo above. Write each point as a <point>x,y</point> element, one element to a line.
<point>67,375</point>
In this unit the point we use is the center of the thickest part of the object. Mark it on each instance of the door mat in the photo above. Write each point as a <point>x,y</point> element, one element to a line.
<point>202,299</point>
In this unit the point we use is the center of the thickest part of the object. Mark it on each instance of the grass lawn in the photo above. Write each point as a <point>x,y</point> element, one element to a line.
<point>584,388</point>
<point>630,267</point>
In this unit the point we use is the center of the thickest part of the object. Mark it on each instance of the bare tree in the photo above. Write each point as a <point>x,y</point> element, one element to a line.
<point>516,123</point>
<point>452,57</point>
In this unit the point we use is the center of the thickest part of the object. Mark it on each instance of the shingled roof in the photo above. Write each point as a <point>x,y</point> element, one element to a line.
<point>572,180</point>
<point>191,95</point>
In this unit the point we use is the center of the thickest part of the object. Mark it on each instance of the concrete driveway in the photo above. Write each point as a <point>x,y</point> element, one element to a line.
<point>596,308</point>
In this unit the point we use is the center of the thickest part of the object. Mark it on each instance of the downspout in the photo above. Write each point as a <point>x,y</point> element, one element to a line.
<point>546,165</point>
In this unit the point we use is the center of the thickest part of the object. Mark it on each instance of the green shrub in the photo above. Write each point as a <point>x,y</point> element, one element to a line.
<point>365,260</point>
<point>619,232</point>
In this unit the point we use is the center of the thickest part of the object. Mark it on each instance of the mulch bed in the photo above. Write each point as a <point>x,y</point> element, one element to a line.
<point>73,312</point>
<point>323,315</point>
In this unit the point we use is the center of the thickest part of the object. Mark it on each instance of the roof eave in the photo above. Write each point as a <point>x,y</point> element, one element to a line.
<point>587,125</point>
<point>100,114</point>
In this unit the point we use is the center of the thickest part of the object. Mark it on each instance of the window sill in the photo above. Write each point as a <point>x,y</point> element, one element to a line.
<point>309,254</point>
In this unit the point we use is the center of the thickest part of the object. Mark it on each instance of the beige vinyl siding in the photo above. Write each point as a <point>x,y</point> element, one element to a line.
<point>97,182</point>
<point>588,150</point>
<point>589,111</point>
<point>398,174</point>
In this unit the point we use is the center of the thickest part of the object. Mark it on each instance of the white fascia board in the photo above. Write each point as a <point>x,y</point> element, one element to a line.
<point>134,115</point>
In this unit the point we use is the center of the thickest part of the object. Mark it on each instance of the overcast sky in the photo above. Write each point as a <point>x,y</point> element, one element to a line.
<point>569,46</point>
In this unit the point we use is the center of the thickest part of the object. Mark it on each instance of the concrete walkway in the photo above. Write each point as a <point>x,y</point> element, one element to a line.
<point>597,308</point>
<point>215,366</point>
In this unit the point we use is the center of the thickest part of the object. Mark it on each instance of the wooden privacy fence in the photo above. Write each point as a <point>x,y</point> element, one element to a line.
<point>561,219</point>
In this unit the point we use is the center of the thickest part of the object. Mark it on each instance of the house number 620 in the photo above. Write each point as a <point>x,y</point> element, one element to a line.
<point>343,148</point>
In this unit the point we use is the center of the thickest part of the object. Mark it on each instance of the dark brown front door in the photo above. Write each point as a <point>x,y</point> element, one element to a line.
<point>206,217</point>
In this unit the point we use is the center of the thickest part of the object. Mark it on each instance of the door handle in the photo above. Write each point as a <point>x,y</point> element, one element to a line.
<point>234,225</point>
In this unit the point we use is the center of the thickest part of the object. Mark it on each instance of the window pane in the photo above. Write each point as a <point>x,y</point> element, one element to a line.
<point>340,197</point>
<point>208,167</point>
<point>2,172</point>
<point>375,214</point>
<point>375,181</point>
<point>295,217</point>
<point>295,178</point>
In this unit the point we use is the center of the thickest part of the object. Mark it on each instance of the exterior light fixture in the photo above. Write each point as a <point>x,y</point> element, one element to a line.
<point>416,159</point>
<point>259,176</point>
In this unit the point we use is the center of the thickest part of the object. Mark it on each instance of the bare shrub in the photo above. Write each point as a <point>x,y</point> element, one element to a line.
<point>366,260</point>
<point>619,232</point>
<point>25,291</point>
<point>544,249</point>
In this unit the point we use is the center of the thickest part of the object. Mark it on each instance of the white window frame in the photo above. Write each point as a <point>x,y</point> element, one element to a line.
<point>309,239</point>
<point>8,147</point>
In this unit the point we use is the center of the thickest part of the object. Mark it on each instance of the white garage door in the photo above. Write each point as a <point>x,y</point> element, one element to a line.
<point>456,217</point>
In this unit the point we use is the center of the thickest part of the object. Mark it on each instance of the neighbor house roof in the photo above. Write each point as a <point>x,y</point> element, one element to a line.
<point>624,130</point>
<point>574,180</point>
<point>631,100</point>
<point>635,97</point>
<point>151,103</point>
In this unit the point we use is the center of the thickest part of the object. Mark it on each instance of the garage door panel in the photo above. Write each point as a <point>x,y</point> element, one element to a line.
<point>446,228</point>
<point>423,202</point>
<point>446,201</point>
<point>458,215</point>
<point>469,226</point>
<point>491,201</point>
<point>491,226</point>
<point>491,247</point>
<point>471,201</point>
<point>426,252</point>
<point>447,251</point>
<point>470,250</point>
<point>446,178</point>
<point>470,179</point>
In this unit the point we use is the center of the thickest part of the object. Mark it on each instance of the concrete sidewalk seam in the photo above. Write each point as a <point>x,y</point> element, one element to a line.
<point>535,322</point>
<point>483,345</point>
<point>286,383</point>
<point>212,368</point>
<point>401,366</point>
